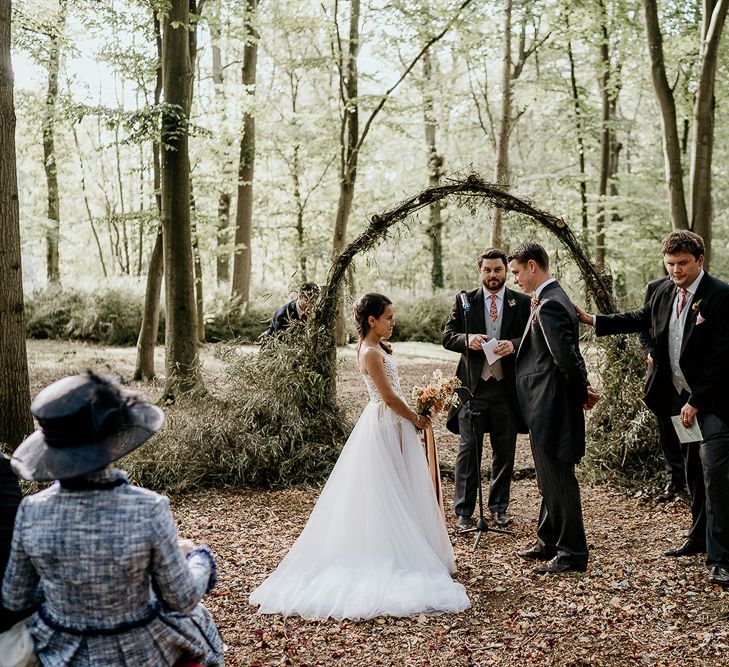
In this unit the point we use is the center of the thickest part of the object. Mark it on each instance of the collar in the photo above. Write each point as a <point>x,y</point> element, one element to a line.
<point>499,295</point>
<point>540,289</point>
<point>99,480</point>
<point>691,289</point>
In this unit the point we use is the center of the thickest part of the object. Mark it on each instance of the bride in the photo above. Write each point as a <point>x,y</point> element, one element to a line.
<point>376,542</point>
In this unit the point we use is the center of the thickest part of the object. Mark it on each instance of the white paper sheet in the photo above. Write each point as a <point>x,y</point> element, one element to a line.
<point>692,434</point>
<point>488,348</point>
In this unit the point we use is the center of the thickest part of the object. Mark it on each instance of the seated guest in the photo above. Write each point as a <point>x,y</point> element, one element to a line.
<point>296,310</point>
<point>101,555</point>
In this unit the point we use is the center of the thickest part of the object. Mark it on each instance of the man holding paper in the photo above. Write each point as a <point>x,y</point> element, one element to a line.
<point>688,318</point>
<point>496,322</point>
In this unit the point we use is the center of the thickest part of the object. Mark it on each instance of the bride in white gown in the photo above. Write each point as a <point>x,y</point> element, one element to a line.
<point>376,542</point>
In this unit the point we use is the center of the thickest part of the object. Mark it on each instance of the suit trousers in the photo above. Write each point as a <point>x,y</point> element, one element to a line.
<point>561,530</point>
<point>10,498</point>
<point>714,455</point>
<point>498,418</point>
<point>694,480</point>
<point>672,454</point>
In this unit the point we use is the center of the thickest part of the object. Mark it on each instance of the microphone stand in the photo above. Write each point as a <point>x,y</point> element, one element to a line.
<point>465,396</point>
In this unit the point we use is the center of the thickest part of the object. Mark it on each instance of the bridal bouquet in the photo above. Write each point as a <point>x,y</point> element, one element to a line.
<point>436,396</point>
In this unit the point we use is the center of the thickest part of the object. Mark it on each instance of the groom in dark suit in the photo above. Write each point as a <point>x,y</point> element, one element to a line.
<point>553,390</point>
<point>500,313</point>
<point>688,318</point>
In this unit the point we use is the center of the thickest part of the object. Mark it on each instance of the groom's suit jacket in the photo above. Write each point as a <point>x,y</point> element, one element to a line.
<point>551,378</point>
<point>514,316</point>
<point>704,358</point>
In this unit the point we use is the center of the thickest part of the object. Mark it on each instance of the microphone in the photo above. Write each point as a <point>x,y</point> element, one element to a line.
<point>465,305</point>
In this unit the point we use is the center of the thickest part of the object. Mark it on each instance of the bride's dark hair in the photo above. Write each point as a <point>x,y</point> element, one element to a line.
<point>373,304</point>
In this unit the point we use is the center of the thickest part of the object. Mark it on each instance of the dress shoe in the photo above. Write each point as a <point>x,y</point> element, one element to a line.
<point>719,575</point>
<point>535,552</point>
<point>559,564</point>
<point>688,548</point>
<point>501,518</point>
<point>669,493</point>
<point>463,522</point>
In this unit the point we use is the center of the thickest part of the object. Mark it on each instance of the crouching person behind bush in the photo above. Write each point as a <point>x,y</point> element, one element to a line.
<point>293,311</point>
<point>101,555</point>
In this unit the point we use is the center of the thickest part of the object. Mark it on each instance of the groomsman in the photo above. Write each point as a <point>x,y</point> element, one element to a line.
<point>688,318</point>
<point>670,446</point>
<point>553,390</point>
<point>500,313</point>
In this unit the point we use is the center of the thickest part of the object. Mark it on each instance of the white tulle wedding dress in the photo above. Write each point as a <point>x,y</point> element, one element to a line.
<point>376,542</point>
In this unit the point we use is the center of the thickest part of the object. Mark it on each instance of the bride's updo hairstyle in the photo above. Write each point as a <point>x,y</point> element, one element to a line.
<point>369,304</point>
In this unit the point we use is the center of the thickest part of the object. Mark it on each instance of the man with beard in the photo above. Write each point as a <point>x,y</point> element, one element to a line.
<point>500,313</point>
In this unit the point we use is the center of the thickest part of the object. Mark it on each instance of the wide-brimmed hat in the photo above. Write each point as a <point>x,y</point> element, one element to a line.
<point>85,422</point>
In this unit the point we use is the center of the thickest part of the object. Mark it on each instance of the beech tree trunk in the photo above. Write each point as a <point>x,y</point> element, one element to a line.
<point>16,421</point>
<point>53,230</point>
<point>181,348</point>
<point>580,146</point>
<point>703,122</point>
<point>667,105</point>
<point>244,210</point>
<point>435,173</point>
<point>222,255</point>
<point>150,315</point>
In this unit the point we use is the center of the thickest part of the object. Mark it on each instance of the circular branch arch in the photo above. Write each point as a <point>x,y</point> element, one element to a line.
<point>473,187</point>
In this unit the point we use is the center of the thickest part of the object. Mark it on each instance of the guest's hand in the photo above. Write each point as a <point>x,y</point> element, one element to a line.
<point>476,341</point>
<point>592,398</point>
<point>504,348</point>
<point>584,316</point>
<point>688,412</point>
<point>185,546</point>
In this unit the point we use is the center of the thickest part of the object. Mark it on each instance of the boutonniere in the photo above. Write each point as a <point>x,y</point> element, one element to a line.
<point>511,302</point>
<point>695,306</point>
<point>535,302</point>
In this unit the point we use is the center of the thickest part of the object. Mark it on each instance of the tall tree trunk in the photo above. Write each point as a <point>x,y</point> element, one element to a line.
<point>299,203</point>
<point>244,210</point>
<point>181,358</point>
<point>580,146</point>
<point>197,271</point>
<point>501,172</point>
<point>53,231</point>
<point>606,138</point>
<point>667,105</point>
<point>222,255</point>
<point>16,421</point>
<point>150,316</point>
<point>703,121</point>
<point>349,137</point>
<point>435,172</point>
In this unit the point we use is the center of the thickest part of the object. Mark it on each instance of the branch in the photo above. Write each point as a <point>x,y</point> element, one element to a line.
<point>387,94</point>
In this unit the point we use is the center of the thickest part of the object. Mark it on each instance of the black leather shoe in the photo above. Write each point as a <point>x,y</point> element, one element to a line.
<point>688,548</point>
<point>719,575</point>
<point>463,522</point>
<point>559,564</point>
<point>535,552</point>
<point>669,493</point>
<point>501,518</point>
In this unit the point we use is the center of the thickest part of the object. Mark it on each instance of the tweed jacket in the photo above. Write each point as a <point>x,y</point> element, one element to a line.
<point>102,562</point>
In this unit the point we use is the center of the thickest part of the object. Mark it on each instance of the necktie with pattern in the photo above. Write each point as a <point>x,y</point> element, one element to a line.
<point>493,311</point>
<point>682,300</point>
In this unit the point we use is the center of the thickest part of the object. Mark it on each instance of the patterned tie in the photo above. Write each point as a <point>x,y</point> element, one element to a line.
<point>682,301</point>
<point>493,311</point>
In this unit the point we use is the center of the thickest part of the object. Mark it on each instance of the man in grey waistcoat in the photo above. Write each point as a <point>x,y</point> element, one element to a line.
<point>500,313</point>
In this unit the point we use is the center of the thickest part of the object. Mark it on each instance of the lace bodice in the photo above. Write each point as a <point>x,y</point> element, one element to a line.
<point>392,376</point>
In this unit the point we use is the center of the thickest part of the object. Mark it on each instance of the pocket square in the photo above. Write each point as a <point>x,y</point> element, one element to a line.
<point>700,319</point>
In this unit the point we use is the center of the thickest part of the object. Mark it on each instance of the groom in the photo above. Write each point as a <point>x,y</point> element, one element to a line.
<point>500,313</point>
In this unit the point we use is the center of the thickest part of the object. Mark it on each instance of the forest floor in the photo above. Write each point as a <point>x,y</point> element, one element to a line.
<point>632,607</point>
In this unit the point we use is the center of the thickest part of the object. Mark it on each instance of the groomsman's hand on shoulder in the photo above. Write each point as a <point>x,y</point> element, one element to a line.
<point>584,316</point>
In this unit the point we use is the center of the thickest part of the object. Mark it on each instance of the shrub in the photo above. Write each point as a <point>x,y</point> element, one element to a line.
<point>225,320</point>
<point>422,319</point>
<point>275,429</point>
<point>623,443</point>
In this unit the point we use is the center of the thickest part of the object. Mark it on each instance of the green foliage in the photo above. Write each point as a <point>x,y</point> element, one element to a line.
<point>111,316</point>
<point>622,439</point>
<point>422,319</point>
<point>226,320</point>
<point>276,428</point>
